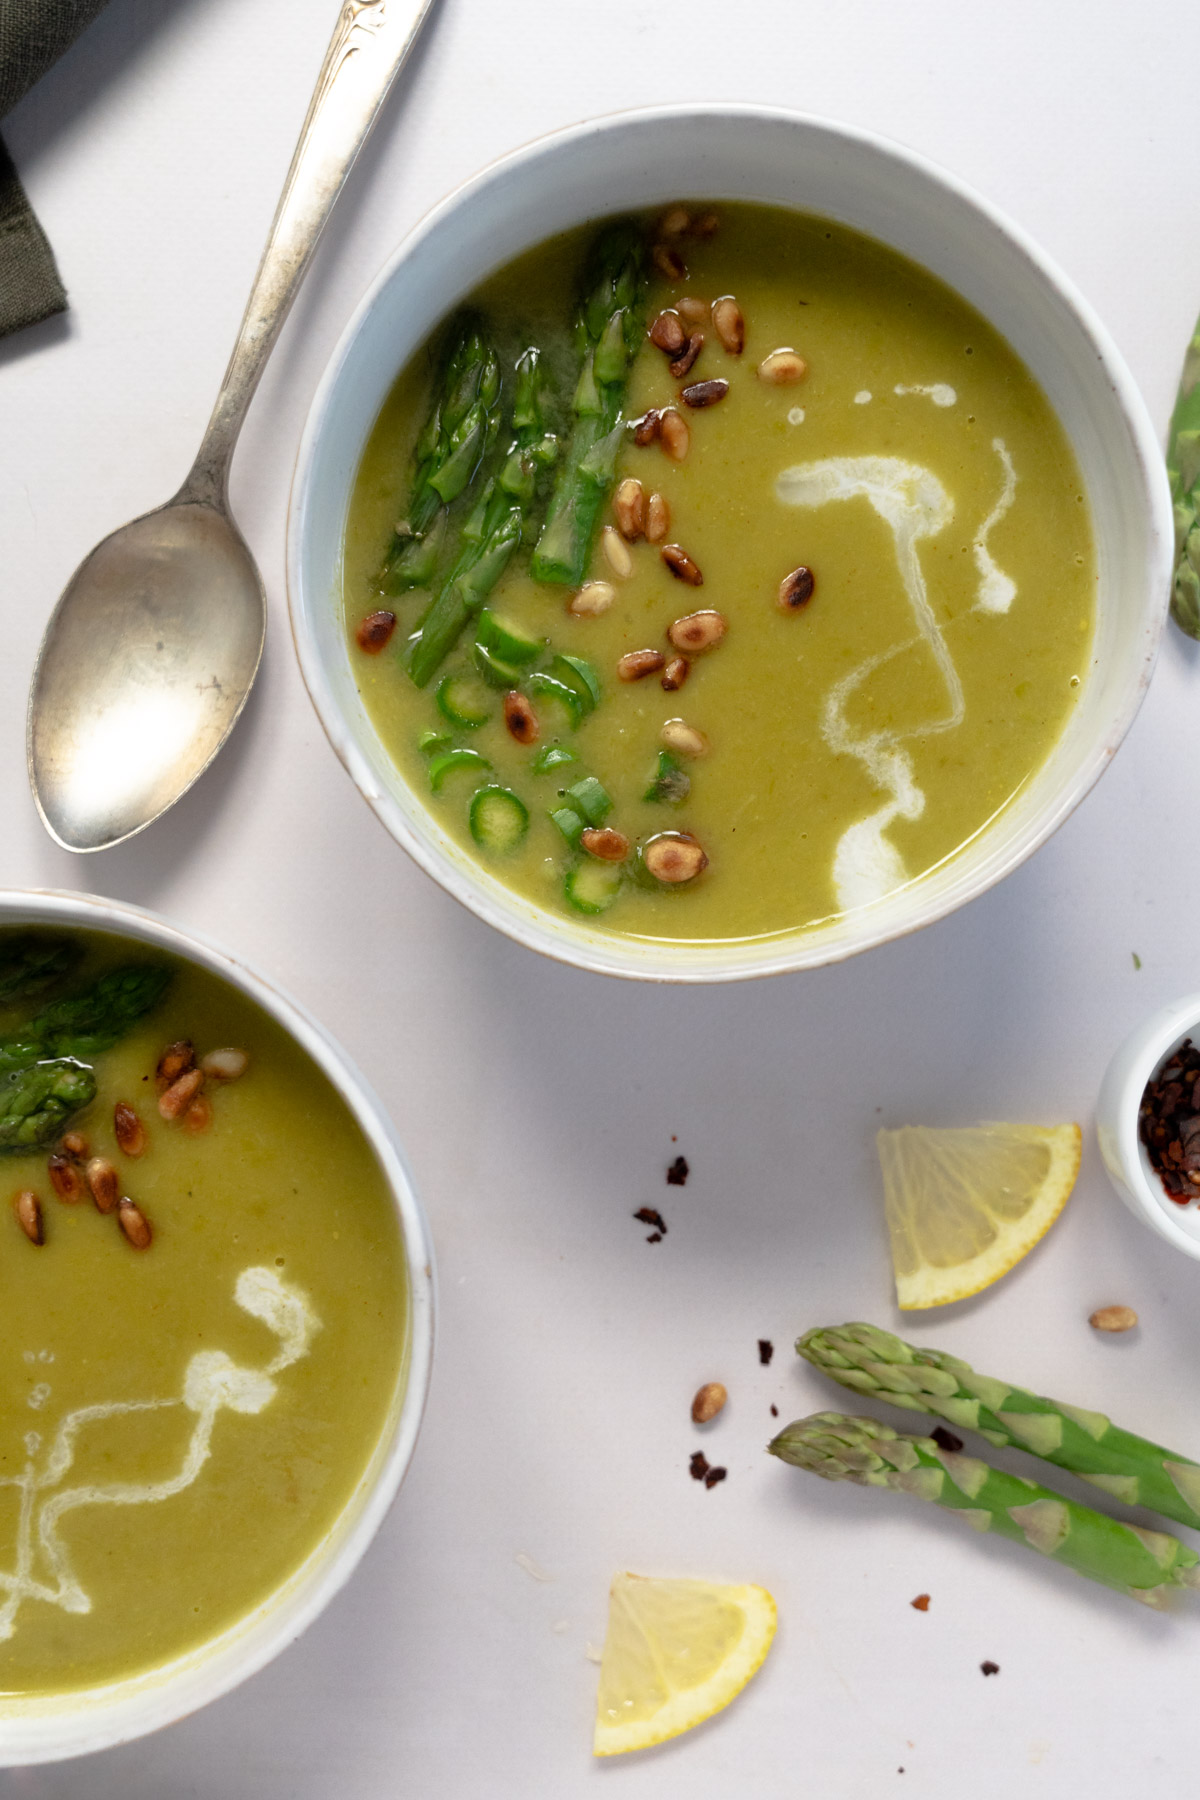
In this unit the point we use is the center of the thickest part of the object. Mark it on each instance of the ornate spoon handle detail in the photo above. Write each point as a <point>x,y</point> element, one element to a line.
<point>369,45</point>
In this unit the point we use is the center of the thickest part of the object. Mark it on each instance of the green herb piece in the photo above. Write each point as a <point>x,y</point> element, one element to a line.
<point>463,701</point>
<point>551,756</point>
<point>499,819</point>
<point>1137,961</point>
<point>670,782</point>
<point>449,762</point>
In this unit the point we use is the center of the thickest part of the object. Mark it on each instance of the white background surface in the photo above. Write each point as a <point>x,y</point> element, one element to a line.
<point>538,1105</point>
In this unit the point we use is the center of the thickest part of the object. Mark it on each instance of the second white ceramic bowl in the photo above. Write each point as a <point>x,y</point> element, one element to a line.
<point>642,159</point>
<point>1130,1169</point>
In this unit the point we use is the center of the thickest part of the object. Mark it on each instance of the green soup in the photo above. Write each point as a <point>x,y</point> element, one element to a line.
<point>909,472</point>
<point>182,1422</point>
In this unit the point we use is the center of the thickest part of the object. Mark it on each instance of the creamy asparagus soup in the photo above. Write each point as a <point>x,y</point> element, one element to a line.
<point>204,1309</point>
<point>717,574</point>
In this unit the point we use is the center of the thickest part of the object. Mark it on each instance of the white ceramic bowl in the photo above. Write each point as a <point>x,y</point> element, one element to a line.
<point>746,153</point>
<point>56,1726</point>
<point>1130,1169</point>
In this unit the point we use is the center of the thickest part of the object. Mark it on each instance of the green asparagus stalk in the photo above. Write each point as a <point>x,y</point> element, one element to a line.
<point>1143,1564</point>
<point>607,333</point>
<point>83,1024</point>
<point>460,430</point>
<point>30,964</point>
<point>495,526</point>
<point>35,1103</point>
<point>1183,468</point>
<point>876,1363</point>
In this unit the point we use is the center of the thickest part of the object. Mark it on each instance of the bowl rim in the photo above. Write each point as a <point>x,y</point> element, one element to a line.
<point>565,940</point>
<point>52,1728</point>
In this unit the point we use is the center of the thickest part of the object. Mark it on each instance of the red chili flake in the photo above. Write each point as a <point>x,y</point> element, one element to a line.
<point>990,1668</point>
<point>946,1440</point>
<point>698,1465</point>
<point>766,1351</point>
<point>713,1476</point>
<point>921,1603</point>
<point>649,1215</point>
<point>677,1174</point>
<point>655,1237</point>
<point>1169,1123</point>
<point>774,1411</point>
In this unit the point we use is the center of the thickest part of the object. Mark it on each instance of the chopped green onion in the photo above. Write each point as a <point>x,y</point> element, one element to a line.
<point>551,688</point>
<point>592,887</point>
<point>591,799</point>
<point>463,700</point>
<point>430,742</point>
<point>499,819</point>
<point>550,756</point>
<point>576,673</point>
<point>504,640</point>
<point>570,823</point>
<point>500,674</point>
<point>451,760</point>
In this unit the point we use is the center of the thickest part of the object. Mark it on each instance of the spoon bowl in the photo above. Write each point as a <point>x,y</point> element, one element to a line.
<point>147,661</point>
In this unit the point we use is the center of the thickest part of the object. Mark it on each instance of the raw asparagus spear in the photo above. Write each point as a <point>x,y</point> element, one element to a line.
<point>30,964</point>
<point>1131,1469</point>
<point>495,526</point>
<point>83,1024</point>
<point>608,332</point>
<point>1183,467</point>
<point>1143,1564</point>
<point>460,430</point>
<point>35,1103</point>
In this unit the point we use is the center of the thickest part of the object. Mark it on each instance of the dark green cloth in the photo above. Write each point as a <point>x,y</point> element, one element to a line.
<point>33,35</point>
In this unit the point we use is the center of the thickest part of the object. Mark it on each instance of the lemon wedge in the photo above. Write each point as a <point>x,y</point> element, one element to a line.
<point>964,1206</point>
<point>675,1653</point>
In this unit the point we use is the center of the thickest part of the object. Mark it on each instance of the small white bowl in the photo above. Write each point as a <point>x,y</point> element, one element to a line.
<point>642,159</point>
<point>1130,1169</point>
<point>48,1728</point>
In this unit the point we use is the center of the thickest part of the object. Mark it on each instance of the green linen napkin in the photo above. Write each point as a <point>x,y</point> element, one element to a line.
<point>33,35</point>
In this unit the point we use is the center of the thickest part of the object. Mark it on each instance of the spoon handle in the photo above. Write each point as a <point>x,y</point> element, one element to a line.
<point>370,44</point>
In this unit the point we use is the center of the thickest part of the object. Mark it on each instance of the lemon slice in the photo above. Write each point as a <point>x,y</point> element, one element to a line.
<point>964,1206</point>
<point>675,1653</point>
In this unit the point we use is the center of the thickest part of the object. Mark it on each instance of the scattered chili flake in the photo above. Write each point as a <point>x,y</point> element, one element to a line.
<point>698,1465</point>
<point>990,1668</point>
<point>921,1603</point>
<point>1169,1123</point>
<point>946,1440</point>
<point>713,1476</point>
<point>649,1215</point>
<point>677,1174</point>
<point>766,1351</point>
<point>774,1410</point>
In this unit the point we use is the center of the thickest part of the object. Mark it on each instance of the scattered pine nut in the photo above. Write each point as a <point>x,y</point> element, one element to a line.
<point>616,552</point>
<point>374,632</point>
<point>706,225</point>
<point>668,262</point>
<point>674,857</point>
<point>520,718</point>
<point>75,1144</point>
<point>676,734</point>
<point>691,309</point>
<point>65,1179</point>
<point>637,663</point>
<point>180,1094</point>
<point>175,1060</point>
<point>1113,1318</point>
<point>682,567</point>
<point>28,1209</point>
<point>105,1184</point>
<point>667,332</point>
<point>658,519</point>
<point>199,1115</point>
<point>648,427</point>
<point>675,434</point>
<point>593,597</point>
<point>605,843</point>
<point>796,590</point>
<point>225,1065</point>
<point>675,674</point>
<point>687,356</point>
<point>135,1225</point>
<point>130,1132</point>
<point>629,509</point>
<point>729,324</point>
<point>674,222</point>
<point>698,630</point>
<point>704,393</point>
<point>708,1402</point>
<point>782,368</point>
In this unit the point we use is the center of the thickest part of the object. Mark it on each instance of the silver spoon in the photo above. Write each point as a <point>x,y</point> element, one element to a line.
<point>152,650</point>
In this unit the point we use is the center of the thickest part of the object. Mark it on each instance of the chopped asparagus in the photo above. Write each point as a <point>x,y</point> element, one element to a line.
<point>83,1024</point>
<point>1183,467</point>
<point>457,435</point>
<point>1143,1564</point>
<point>30,964</point>
<point>495,526</point>
<point>608,332</point>
<point>1129,1468</point>
<point>36,1102</point>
